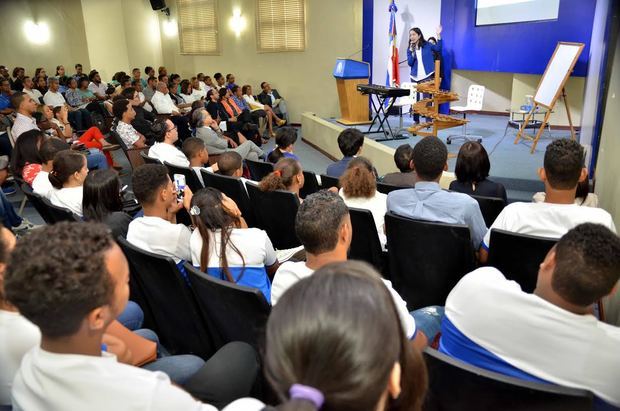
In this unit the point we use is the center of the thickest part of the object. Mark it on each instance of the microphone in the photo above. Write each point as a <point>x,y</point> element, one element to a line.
<point>359,51</point>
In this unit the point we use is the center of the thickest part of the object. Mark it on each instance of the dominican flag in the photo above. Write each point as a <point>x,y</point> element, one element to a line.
<point>393,76</point>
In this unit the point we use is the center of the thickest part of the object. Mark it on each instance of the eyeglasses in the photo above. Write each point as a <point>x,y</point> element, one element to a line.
<point>172,129</point>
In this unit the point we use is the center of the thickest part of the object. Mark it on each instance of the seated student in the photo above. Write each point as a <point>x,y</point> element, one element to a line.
<point>360,358</point>
<point>287,175</point>
<point>562,171</point>
<point>237,98</point>
<point>403,160</point>
<point>157,231</point>
<point>198,156</point>
<point>26,160</point>
<point>358,189</point>
<point>144,118</point>
<point>427,201</point>
<point>88,286</point>
<point>67,176</point>
<point>350,142</point>
<point>80,117</point>
<point>229,111</point>
<point>41,184</point>
<point>163,104</point>
<point>271,97</point>
<point>164,148</point>
<point>285,145</point>
<point>583,196</point>
<point>124,113</point>
<point>223,246</point>
<point>198,91</point>
<point>551,335</point>
<point>323,226</point>
<point>30,90</point>
<point>472,169</point>
<point>231,164</point>
<point>102,201</point>
<point>253,104</point>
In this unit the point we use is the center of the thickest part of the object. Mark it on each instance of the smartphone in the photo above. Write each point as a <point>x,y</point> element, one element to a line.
<point>179,185</point>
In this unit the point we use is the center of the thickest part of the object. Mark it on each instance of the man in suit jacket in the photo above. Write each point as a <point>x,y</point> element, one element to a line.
<point>273,99</point>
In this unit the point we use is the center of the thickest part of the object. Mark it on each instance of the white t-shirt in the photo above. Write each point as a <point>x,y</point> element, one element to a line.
<point>98,90</point>
<point>17,337</point>
<point>291,272</point>
<point>377,205</point>
<point>41,184</point>
<point>163,103</point>
<point>546,219</point>
<point>199,174</point>
<point>159,236</point>
<point>69,198</point>
<point>34,93</point>
<point>189,98</point>
<point>54,99</point>
<point>531,334</point>
<point>199,94</point>
<point>168,152</point>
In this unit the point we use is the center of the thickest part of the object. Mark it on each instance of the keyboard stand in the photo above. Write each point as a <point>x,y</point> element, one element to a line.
<point>381,118</point>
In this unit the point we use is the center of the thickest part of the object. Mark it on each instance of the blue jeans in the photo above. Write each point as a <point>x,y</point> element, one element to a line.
<point>132,316</point>
<point>7,213</point>
<point>96,160</point>
<point>428,320</point>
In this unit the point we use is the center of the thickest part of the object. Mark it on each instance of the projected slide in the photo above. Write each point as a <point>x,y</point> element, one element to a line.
<point>515,11</point>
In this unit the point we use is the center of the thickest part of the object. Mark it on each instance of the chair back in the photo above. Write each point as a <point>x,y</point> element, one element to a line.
<point>329,182</point>
<point>147,159</point>
<point>37,202</point>
<point>259,169</point>
<point>133,154</point>
<point>411,98</point>
<point>59,214</point>
<point>311,185</point>
<point>233,188</point>
<point>191,179</point>
<point>455,385</point>
<point>388,188</point>
<point>365,244</point>
<point>169,307</point>
<point>518,256</point>
<point>235,312</point>
<point>427,259</point>
<point>475,97</point>
<point>275,213</point>
<point>490,207</point>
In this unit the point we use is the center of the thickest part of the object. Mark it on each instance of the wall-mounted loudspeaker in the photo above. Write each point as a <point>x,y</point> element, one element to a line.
<point>158,4</point>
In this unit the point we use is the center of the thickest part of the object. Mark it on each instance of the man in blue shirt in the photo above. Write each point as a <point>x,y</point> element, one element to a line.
<point>5,96</point>
<point>350,142</point>
<point>427,201</point>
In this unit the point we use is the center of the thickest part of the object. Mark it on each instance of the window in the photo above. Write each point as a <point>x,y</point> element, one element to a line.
<point>198,33</point>
<point>280,25</point>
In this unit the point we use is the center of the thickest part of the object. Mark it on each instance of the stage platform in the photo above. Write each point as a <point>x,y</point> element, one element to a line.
<point>511,164</point>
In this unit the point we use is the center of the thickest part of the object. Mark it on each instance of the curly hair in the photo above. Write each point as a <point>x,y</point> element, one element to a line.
<point>359,179</point>
<point>564,160</point>
<point>57,275</point>
<point>282,176</point>
<point>147,180</point>
<point>429,158</point>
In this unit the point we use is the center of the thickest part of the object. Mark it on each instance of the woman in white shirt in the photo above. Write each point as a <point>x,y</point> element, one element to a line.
<point>199,92</point>
<point>223,246</point>
<point>67,177</point>
<point>359,190</point>
<point>187,92</point>
<point>272,117</point>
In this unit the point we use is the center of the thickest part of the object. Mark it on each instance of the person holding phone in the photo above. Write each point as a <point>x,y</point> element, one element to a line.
<point>421,58</point>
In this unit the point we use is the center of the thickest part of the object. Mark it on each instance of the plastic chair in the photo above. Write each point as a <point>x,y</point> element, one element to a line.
<point>169,306</point>
<point>191,179</point>
<point>388,188</point>
<point>455,385</point>
<point>275,213</point>
<point>37,202</point>
<point>426,258</point>
<point>490,207</point>
<point>365,244</point>
<point>233,188</point>
<point>235,312</point>
<point>147,159</point>
<point>258,169</point>
<point>475,97</point>
<point>329,182</point>
<point>518,256</point>
<point>311,185</point>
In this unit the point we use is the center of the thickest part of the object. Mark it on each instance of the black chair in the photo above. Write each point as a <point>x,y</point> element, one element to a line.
<point>455,385</point>
<point>59,214</point>
<point>236,313</point>
<point>169,307</point>
<point>388,188</point>
<point>329,182</point>
<point>490,207</point>
<point>258,169</point>
<point>518,256</point>
<point>191,179</point>
<point>133,154</point>
<point>147,159</point>
<point>426,258</point>
<point>311,185</point>
<point>365,244</point>
<point>275,213</point>
<point>233,188</point>
<point>37,202</point>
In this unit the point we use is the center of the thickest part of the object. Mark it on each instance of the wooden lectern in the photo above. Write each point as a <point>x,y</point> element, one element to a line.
<point>354,107</point>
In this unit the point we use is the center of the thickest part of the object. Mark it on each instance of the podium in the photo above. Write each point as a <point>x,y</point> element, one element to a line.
<point>354,107</point>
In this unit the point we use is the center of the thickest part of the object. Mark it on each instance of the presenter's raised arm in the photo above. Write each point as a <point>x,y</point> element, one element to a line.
<point>437,47</point>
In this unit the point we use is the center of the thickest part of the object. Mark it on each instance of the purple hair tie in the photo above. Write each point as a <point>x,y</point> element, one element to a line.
<point>305,392</point>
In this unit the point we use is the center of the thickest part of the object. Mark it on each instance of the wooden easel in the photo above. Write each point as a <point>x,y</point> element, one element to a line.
<point>556,70</point>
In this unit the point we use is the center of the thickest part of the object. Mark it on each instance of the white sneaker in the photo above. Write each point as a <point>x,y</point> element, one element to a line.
<point>25,225</point>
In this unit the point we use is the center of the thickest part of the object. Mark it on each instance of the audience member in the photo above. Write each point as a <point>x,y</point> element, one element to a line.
<point>255,114</point>
<point>144,119</point>
<point>175,88</point>
<point>271,97</point>
<point>220,81</point>
<point>230,164</point>
<point>102,202</point>
<point>4,72</point>
<point>62,78</point>
<point>149,71</point>
<point>41,184</point>
<point>582,268</point>
<point>230,81</point>
<point>224,247</point>
<point>198,156</point>
<point>96,86</point>
<point>77,99</point>
<point>150,88</point>
<point>5,96</point>
<point>30,90</point>
<point>246,92</point>
<point>287,175</point>
<point>405,177</point>
<point>17,83</point>
<point>163,104</point>
<point>427,201</point>
<point>198,91</point>
<point>79,73</point>
<point>350,142</point>
<point>68,173</point>
<point>85,93</point>
<point>187,92</point>
<point>157,231</point>
<point>285,145</point>
<point>80,117</point>
<point>26,160</point>
<point>563,169</point>
<point>24,121</point>
<point>164,148</point>
<point>125,114</point>
<point>472,169</point>
<point>233,113</point>
<point>359,190</point>
<point>136,76</point>
<point>41,84</point>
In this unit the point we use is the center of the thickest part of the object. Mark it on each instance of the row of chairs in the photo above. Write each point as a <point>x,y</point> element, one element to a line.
<point>50,213</point>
